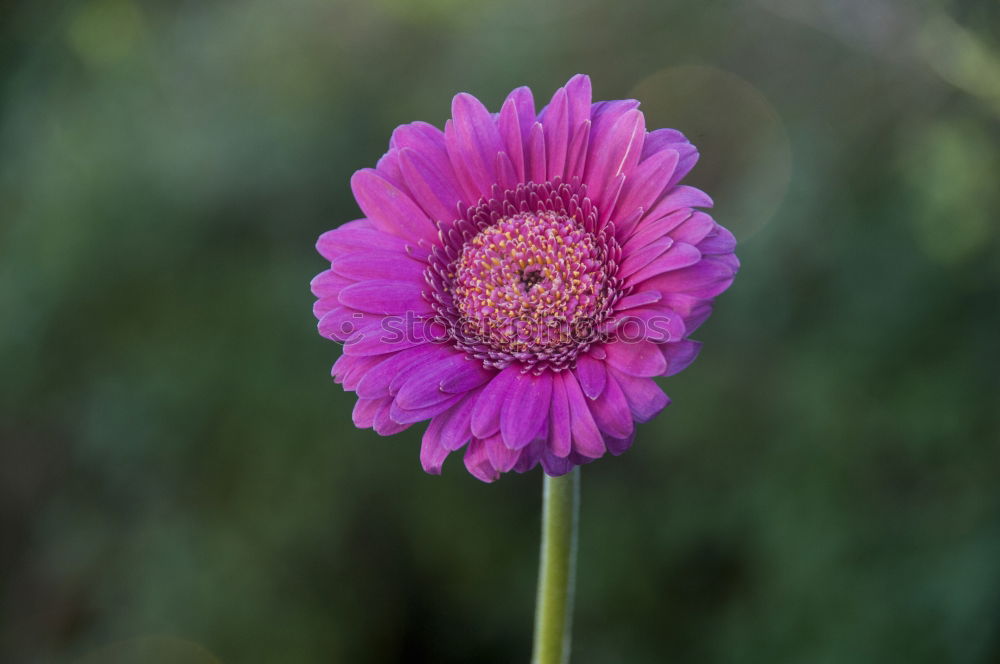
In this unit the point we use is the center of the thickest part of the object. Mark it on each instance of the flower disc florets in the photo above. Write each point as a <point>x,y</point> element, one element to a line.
<point>532,284</point>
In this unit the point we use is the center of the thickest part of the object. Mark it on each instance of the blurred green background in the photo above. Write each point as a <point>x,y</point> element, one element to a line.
<point>179,477</point>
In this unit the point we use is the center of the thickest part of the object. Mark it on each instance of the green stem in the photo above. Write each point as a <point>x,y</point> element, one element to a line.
<point>557,569</point>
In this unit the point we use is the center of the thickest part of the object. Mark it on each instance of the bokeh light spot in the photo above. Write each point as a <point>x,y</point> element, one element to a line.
<point>745,152</point>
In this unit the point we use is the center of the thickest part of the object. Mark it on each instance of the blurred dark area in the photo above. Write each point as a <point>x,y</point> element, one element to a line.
<point>179,477</point>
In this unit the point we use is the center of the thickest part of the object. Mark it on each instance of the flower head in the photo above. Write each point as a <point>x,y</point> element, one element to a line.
<point>520,278</point>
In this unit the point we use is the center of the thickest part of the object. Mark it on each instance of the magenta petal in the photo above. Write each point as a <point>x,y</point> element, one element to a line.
<point>467,376</point>
<point>486,418</point>
<point>506,176</point>
<point>385,297</point>
<point>478,463</point>
<point>560,436</point>
<point>525,408</point>
<point>390,209</point>
<point>473,141</point>
<point>645,398</point>
<point>619,446</point>
<point>720,241</point>
<point>591,376</point>
<point>680,355</point>
<point>587,438</point>
<point>342,324</point>
<point>423,387</point>
<point>509,126</point>
<point>348,371</point>
<point>455,428</point>
<point>433,190</point>
<point>384,424</point>
<point>636,359</point>
<point>579,95</point>
<point>680,255</point>
<point>529,456</point>
<point>501,457</point>
<point>406,416</point>
<point>652,228</point>
<point>645,184</point>
<point>656,324</point>
<point>375,383</point>
<point>367,341</point>
<point>612,152</point>
<point>694,229</point>
<point>377,264</point>
<point>707,278</point>
<point>328,284</point>
<point>432,453</point>
<point>680,197</point>
<point>635,261</point>
<point>338,324</point>
<point>555,466</point>
<point>364,412</point>
<point>536,153</point>
<point>639,299</point>
<point>555,121</point>
<point>576,157</point>
<point>662,139</point>
<point>612,413</point>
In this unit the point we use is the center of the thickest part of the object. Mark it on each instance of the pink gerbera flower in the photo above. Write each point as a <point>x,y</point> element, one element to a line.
<point>520,278</point>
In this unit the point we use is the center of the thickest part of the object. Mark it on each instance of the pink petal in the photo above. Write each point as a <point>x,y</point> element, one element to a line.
<point>645,184</point>
<point>525,408</point>
<point>473,142</point>
<point>680,355</point>
<point>536,153</point>
<point>694,229</point>
<point>509,126</point>
<point>406,416</point>
<point>501,457</point>
<point>612,413</point>
<point>383,423</point>
<point>644,396</point>
<point>364,412</point>
<point>720,241</point>
<point>432,453</point>
<point>650,229</point>
<point>377,264</point>
<point>576,157</point>
<point>636,260</point>
<point>389,209</point>
<point>707,278</point>
<point>680,197</point>
<point>612,152</point>
<point>386,297</point>
<point>560,437</point>
<point>455,428</point>
<point>679,256</point>
<point>579,95</point>
<point>591,376</point>
<point>555,121</point>
<point>486,419</point>
<point>435,191</point>
<point>375,383</point>
<point>467,376</point>
<point>328,284</point>
<point>638,300</point>
<point>636,359</point>
<point>656,324</point>
<point>478,463</point>
<point>423,387</point>
<point>587,438</point>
